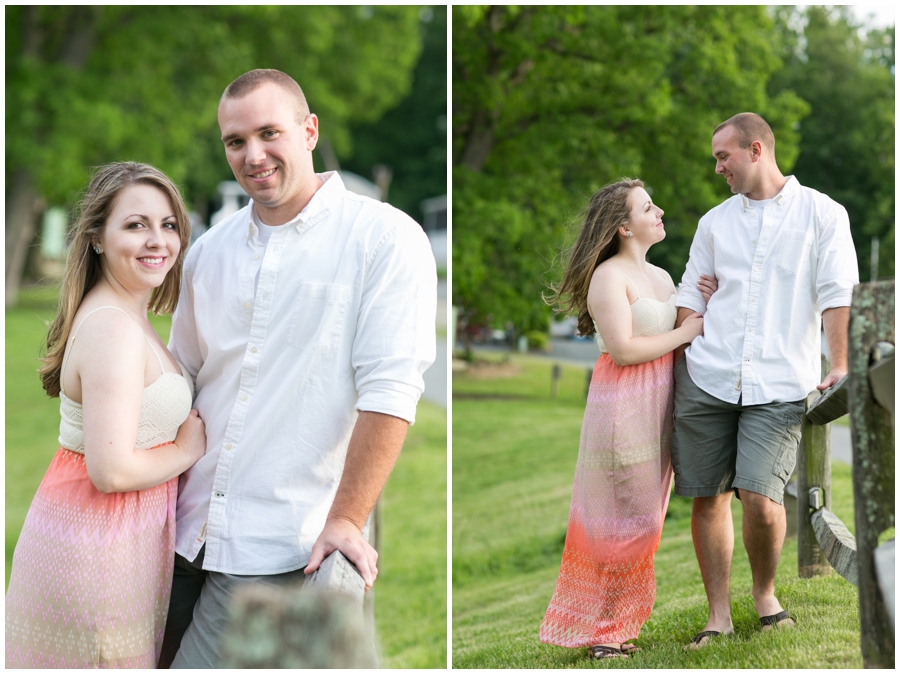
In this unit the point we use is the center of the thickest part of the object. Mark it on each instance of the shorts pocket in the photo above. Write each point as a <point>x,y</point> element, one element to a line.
<point>280,580</point>
<point>317,319</point>
<point>790,443</point>
<point>673,453</point>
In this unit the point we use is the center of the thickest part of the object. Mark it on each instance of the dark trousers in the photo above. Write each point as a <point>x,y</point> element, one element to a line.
<point>187,582</point>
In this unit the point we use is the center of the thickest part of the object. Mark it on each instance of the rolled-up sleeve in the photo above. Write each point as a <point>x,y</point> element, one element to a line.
<point>395,337</point>
<point>700,261</point>
<point>836,267</point>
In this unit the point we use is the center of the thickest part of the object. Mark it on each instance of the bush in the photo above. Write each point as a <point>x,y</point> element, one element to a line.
<point>538,340</point>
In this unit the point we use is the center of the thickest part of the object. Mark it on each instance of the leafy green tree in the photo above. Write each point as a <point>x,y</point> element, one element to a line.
<point>86,85</point>
<point>413,135</point>
<point>552,102</point>
<point>847,142</point>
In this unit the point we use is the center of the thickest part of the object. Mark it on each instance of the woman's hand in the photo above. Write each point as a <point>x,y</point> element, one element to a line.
<point>707,286</point>
<point>692,327</point>
<point>192,436</point>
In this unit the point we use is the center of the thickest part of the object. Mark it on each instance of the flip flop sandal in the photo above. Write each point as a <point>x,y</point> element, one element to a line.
<point>697,642</point>
<point>602,652</point>
<point>772,621</point>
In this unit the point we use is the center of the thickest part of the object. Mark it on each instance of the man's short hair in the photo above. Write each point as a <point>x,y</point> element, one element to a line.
<point>253,80</point>
<point>748,127</point>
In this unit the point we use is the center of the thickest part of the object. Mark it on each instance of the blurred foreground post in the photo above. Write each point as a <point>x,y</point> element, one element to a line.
<point>315,624</point>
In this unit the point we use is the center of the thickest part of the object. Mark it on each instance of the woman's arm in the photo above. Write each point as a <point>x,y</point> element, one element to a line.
<point>110,356</point>
<point>608,303</point>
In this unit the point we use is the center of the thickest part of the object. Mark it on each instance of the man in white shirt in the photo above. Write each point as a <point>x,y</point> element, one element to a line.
<point>306,321</point>
<point>785,263</point>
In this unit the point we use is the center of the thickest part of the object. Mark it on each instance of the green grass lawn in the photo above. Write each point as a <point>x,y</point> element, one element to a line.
<point>411,592</point>
<point>514,454</point>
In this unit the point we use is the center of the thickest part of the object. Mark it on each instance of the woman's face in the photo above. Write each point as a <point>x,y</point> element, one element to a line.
<point>645,219</point>
<point>140,240</point>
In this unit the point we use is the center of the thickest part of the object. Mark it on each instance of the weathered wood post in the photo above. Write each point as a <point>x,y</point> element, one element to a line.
<point>813,470</point>
<point>872,432</point>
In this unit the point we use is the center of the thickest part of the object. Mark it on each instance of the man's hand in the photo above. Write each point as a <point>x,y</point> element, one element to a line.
<point>833,378</point>
<point>341,534</point>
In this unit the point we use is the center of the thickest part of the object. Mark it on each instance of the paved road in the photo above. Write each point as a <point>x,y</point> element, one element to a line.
<point>436,376</point>
<point>584,353</point>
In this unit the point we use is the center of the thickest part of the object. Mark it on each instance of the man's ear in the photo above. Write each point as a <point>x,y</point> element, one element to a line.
<point>755,150</point>
<point>311,131</point>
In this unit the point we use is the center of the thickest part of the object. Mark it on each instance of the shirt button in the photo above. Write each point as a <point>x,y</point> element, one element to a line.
<point>247,305</point>
<point>756,269</point>
<point>253,349</point>
<point>753,242</point>
<point>746,360</point>
<point>228,446</point>
<point>255,256</point>
<point>244,397</point>
<point>753,300</point>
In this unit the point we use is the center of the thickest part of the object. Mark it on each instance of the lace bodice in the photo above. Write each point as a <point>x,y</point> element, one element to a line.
<point>165,405</point>
<point>649,316</point>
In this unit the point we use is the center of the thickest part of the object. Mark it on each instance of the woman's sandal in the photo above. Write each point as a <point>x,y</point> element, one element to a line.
<point>601,652</point>
<point>769,622</point>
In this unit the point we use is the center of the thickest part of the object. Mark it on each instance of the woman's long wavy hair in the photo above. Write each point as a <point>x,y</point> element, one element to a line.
<point>597,241</point>
<point>83,266</point>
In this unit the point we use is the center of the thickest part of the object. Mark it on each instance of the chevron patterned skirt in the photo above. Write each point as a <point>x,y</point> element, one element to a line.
<point>606,586</point>
<point>91,573</point>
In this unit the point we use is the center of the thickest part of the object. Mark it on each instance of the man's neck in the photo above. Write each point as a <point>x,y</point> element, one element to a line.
<point>769,187</point>
<point>286,212</point>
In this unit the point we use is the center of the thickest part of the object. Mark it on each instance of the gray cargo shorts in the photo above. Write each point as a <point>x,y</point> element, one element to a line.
<point>718,446</point>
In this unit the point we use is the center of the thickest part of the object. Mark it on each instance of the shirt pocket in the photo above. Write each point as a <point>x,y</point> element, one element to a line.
<point>793,253</point>
<point>318,316</point>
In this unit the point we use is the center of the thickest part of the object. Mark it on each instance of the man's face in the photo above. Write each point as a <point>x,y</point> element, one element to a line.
<point>268,151</point>
<point>733,162</point>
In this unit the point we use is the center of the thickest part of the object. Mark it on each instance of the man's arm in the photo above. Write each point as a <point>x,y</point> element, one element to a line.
<point>373,450</point>
<point>837,324</point>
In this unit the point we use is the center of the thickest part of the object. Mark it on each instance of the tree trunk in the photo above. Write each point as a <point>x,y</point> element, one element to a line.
<point>21,199</point>
<point>479,143</point>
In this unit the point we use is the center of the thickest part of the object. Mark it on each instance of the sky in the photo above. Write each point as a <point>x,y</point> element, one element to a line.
<point>884,13</point>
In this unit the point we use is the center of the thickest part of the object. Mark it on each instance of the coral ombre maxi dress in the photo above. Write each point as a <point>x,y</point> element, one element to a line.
<point>606,586</point>
<point>92,572</point>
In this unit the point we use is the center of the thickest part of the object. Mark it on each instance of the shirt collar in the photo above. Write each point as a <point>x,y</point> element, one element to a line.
<point>790,189</point>
<point>318,208</point>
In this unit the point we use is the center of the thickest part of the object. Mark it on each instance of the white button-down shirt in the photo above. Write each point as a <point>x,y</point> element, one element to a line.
<point>762,328</point>
<point>342,319</point>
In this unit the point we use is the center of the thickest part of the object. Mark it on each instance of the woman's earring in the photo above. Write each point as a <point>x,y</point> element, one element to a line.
<point>629,235</point>
<point>98,249</point>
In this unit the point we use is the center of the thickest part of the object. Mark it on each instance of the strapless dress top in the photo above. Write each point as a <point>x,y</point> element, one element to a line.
<point>649,317</point>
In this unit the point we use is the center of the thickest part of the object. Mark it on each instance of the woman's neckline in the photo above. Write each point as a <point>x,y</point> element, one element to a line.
<point>152,383</point>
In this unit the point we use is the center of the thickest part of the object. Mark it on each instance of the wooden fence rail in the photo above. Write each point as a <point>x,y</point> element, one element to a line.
<point>823,541</point>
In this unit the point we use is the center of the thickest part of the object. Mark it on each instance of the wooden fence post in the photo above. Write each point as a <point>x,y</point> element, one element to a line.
<point>872,432</point>
<point>813,470</point>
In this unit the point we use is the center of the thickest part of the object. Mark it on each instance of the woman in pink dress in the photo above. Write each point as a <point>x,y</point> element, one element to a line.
<point>606,586</point>
<point>92,569</point>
